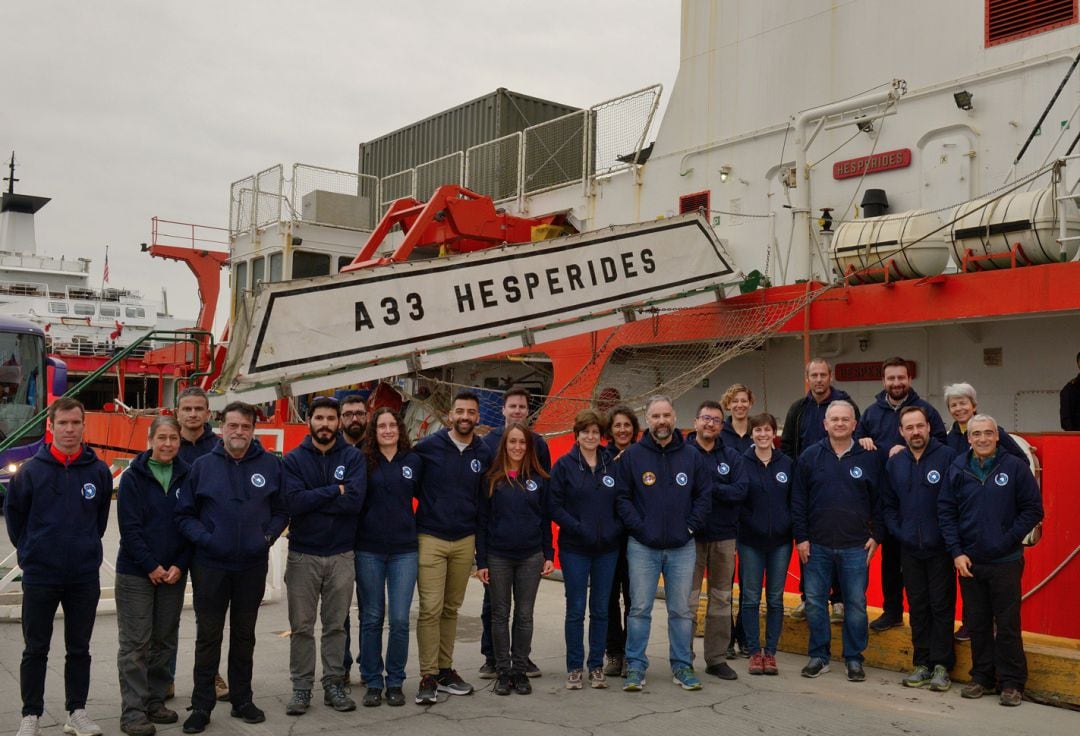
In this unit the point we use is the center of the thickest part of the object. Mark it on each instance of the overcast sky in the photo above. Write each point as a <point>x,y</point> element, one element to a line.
<point>122,110</point>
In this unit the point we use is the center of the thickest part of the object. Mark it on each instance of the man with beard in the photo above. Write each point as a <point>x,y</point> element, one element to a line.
<point>325,483</point>
<point>879,430</point>
<point>455,461</point>
<point>354,416</point>
<point>232,509</point>
<point>909,506</point>
<point>663,496</point>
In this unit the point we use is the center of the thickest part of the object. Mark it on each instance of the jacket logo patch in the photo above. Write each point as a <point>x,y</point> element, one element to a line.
<point>406,472</point>
<point>339,472</point>
<point>682,479</point>
<point>648,478</point>
<point>90,490</point>
<point>781,477</point>
<point>475,465</point>
<point>258,480</point>
<point>1001,478</point>
<point>531,485</point>
<point>723,468</point>
<point>933,476</point>
<point>608,481</point>
<point>856,472</point>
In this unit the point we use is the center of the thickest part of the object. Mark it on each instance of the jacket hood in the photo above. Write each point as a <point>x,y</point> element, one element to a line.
<point>85,457</point>
<point>650,444</point>
<point>882,400</point>
<point>141,465</point>
<point>254,450</point>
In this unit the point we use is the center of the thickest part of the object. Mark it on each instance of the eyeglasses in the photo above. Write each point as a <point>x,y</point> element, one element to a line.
<point>353,414</point>
<point>705,419</point>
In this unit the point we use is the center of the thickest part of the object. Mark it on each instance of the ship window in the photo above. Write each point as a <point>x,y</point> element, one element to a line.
<point>694,202</point>
<point>342,262</point>
<point>84,309</point>
<point>1008,20</point>
<point>258,268</point>
<point>239,281</point>
<point>136,312</point>
<point>305,264</point>
<point>58,308</point>
<point>277,260</point>
<point>108,310</point>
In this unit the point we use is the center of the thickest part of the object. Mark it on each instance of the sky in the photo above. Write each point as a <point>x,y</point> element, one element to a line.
<point>123,110</point>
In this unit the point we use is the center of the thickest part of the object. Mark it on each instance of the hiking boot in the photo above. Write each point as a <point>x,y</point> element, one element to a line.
<point>522,686</point>
<point>138,727</point>
<point>248,712</point>
<point>769,665</point>
<point>940,681</point>
<point>336,697</point>
<point>634,682</point>
<point>503,684</point>
<point>299,704</point>
<point>197,721</point>
<point>487,671</point>
<point>221,689</point>
<point>1010,696</point>
<point>79,723</point>
<point>685,678</point>
<point>531,670</point>
<point>450,682</point>
<point>427,694</point>
<point>918,678</point>
<point>886,621</point>
<point>29,726</point>
<point>158,713</point>
<point>722,670</point>
<point>394,696</point>
<point>757,664</point>
<point>816,666</point>
<point>372,698</point>
<point>855,671</point>
<point>972,690</point>
<point>597,678</point>
<point>837,614</point>
<point>573,680</point>
<point>614,665</point>
<point>798,613</point>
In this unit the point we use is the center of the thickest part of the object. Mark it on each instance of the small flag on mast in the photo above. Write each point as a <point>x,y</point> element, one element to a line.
<point>105,276</point>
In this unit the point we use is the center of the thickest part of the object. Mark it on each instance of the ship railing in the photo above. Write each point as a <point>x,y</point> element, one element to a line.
<point>188,235</point>
<point>24,288</point>
<point>333,198</point>
<point>40,263</point>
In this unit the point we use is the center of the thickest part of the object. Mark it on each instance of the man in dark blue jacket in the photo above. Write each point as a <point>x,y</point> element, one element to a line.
<point>56,509</point>
<point>663,496</point>
<point>193,413</point>
<point>879,430</point>
<point>914,478</point>
<point>455,461</point>
<point>989,504</point>
<point>232,509</point>
<point>834,505</point>
<point>515,411</point>
<point>325,483</point>
<point>715,544</point>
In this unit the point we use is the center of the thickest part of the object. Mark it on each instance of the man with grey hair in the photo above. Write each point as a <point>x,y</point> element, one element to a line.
<point>663,496</point>
<point>961,401</point>
<point>988,505</point>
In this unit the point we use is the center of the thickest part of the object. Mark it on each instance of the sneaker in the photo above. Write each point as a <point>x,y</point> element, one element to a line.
<point>299,704</point>
<point>394,696</point>
<point>837,614</point>
<point>487,671</point>
<point>1011,697</point>
<point>503,684</point>
<point>221,689</point>
<point>635,681</point>
<point>79,723</point>
<point>28,726</point>
<point>138,727</point>
<point>685,678</point>
<point>886,621</point>
<point>972,690</point>
<point>336,697</point>
<point>428,692</point>
<point>855,671</point>
<point>742,650</point>
<point>197,721</point>
<point>815,667</point>
<point>962,633</point>
<point>769,665</point>
<point>722,670</point>
<point>372,698</point>
<point>757,664</point>
<point>249,712</point>
<point>450,682</point>
<point>160,714</point>
<point>597,678</point>
<point>531,670</point>
<point>918,678</point>
<point>731,653</point>
<point>940,681</point>
<point>798,613</point>
<point>522,686</point>
<point>573,680</point>
<point>614,665</point>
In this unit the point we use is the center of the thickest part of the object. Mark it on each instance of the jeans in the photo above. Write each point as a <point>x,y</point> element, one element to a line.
<point>39,606</point>
<point>586,576</point>
<point>850,563</point>
<point>618,607</point>
<point>646,565</point>
<point>387,583</point>
<point>147,619</point>
<point>756,563</point>
<point>931,590</point>
<point>520,580</point>
<point>992,614</point>
<point>217,592</point>
<point>316,585</point>
<point>719,559</point>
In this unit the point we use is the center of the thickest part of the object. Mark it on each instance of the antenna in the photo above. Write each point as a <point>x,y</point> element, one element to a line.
<point>10,178</point>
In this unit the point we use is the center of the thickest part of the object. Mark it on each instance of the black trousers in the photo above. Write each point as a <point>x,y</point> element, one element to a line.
<point>618,607</point>
<point>217,592</point>
<point>992,615</point>
<point>892,577</point>
<point>515,581</point>
<point>931,591</point>
<point>39,604</point>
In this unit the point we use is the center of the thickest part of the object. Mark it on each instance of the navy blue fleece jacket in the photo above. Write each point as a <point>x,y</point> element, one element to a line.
<point>834,501</point>
<point>148,534</point>
<point>581,500</point>
<point>909,498</point>
<point>192,451</point>
<point>513,521</point>
<point>387,523</point>
<point>451,486</point>
<point>323,519</point>
<point>730,486</point>
<point>765,516</point>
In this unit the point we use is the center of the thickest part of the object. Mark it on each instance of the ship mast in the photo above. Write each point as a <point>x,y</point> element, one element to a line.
<point>10,178</point>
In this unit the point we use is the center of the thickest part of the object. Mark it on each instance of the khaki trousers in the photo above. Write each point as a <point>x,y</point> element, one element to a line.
<point>442,576</point>
<point>719,559</point>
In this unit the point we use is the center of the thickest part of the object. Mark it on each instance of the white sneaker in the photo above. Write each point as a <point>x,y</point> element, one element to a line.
<point>29,726</point>
<point>79,723</point>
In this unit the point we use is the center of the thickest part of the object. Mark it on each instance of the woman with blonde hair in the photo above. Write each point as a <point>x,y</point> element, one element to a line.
<point>737,401</point>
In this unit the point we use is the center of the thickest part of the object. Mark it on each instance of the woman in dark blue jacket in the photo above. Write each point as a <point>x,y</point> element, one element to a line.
<point>581,501</point>
<point>623,430</point>
<point>513,550</point>
<point>386,555</point>
<point>764,543</point>
<point>151,576</point>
